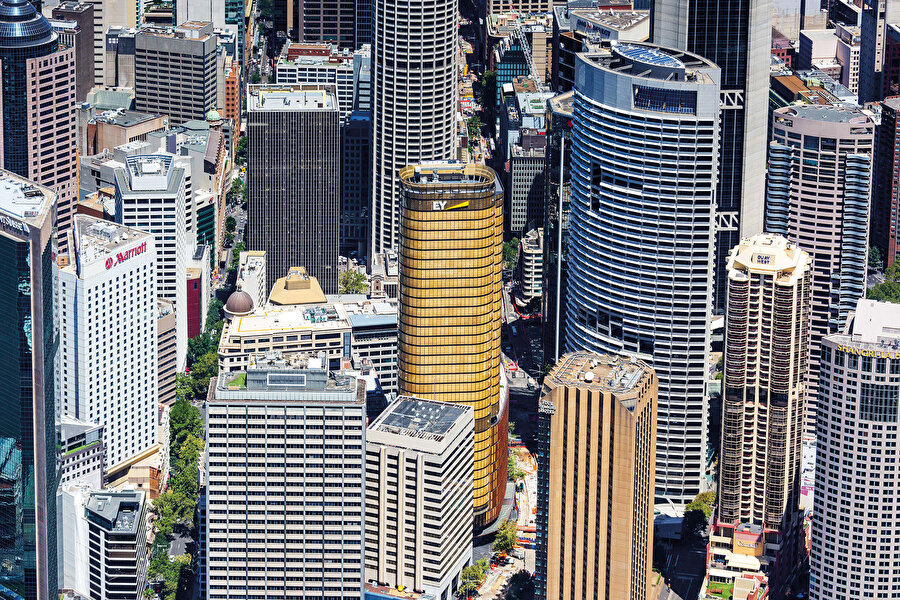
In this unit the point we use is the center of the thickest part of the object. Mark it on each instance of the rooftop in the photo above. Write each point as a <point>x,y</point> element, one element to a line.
<point>22,198</point>
<point>122,117</point>
<point>828,112</point>
<point>605,372</point>
<point>650,61</point>
<point>768,253</point>
<point>439,173</point>
<point>876,323</point>
<point>97,239</point>
<point>417,418</point>
<point>118,512</point>
<point>619,20</point>
<point>292,97</point>
<point>297,287</point>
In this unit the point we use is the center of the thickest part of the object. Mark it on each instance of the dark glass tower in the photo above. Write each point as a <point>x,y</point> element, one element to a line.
<point>28,343</point>
<point>735,35</point>
<point>24,34</point>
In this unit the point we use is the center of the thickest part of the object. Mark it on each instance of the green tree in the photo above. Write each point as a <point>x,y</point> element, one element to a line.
<point>487,96</point>
<point>889,291</point>
<point>352,282</point>
<point>520,586</point>
<point>240,152</point>
<point>184,420</point>
<point>203,369</point>
<point>474,126</point>
<point>513,470</point>
<point>510,253</point>
<point>237,186</point>
<point>228,238</point>
<point>469,581</point>
<point>230,224</point>
<point>236,255</point>
<point>697,514</point>
<point>506,536</point>
<point>875,257</point>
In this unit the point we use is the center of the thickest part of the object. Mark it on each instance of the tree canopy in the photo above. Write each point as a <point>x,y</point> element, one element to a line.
<point>352,282</point>
<point>889,291</point>
<point>506,537</point>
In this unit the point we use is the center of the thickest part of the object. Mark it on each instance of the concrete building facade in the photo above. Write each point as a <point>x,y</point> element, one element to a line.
<point>117,543</point>
<point>451,283</point>
<point>82,13</point>
<point>635,209</point>
<point>293,179</point>
<point>885,218</point>
<point>766,345</point>
<point>853,554</point>
<point>415,55</point>
<point>418,485</point>
<point>107,315</point>
<point>819,185</point>
<point>596,426</point>
<point>305,538</point>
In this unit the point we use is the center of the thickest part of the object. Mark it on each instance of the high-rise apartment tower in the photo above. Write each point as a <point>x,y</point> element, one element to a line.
<point>820,164</point>
<point>451,236</point>
<point>766,345</point>
<point>642,233</point>
<point>596,450</point>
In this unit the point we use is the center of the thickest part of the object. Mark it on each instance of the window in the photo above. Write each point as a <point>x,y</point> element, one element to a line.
<point>878,402</point>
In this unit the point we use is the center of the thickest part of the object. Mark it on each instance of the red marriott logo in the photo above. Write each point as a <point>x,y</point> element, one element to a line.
<point>123,256</point>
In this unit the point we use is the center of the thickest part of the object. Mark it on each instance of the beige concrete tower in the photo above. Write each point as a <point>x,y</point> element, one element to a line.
<point>766,345</point>
<point>451,237</point>
<point>596,468</point>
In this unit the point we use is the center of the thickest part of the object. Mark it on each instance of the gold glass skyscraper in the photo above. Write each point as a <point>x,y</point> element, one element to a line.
<point>451,282</point>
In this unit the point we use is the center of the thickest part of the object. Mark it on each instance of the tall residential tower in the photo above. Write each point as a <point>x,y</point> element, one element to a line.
<point>642,233</point>
<point>451,284</point>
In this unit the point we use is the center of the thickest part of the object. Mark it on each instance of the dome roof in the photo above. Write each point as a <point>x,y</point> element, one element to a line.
<point>213,115</point>
<point>22,26</point>
<point>239,303</point>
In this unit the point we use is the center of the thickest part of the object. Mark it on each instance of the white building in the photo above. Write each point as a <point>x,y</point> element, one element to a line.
<point>107,311</point>
<point>855,529</point>
<point>847,53</point>
<point>418,489</point>
<point>642,233</point>
<point>415,60</point>
<point>251,275</point>
<point>82,453</point>
<point>150,196</point>
<point>73,563</point>
<point>285,482</point>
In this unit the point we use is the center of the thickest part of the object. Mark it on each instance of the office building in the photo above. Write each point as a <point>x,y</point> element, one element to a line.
<point>736,36</point>
<point>28,345</point>
<point>82,14</point>
<point>418,487</point>
<point>117,543</point>
<point>83,453</point>
<point>633,210</point>
<point>596,426</point>
<point>166,351</point>
<point>854,555</point>
<point>38,95</point>
<point>324,64</point>
<point>847,54</point>
<point>877,18</point>
<point>119,58</point>
<point>366,329</point>
<point>414,64</point>
<point>530,266</point>
<point>318,21</point>
<point>885,218</point>
<point>556,223</point>
<point>356,183</point>
<point>197,280</point>
<point>107,317</point>
<point>820,167</point>
<point>251,276</point>
<point>293,179</point>
<point>449,328</point>
<point>150,196</point>
<point>305,538</point>
<point>210,11</point>
<point>110,14</point>
<point>175,71</point>
<point>105,130</point>
<point>766,345</point>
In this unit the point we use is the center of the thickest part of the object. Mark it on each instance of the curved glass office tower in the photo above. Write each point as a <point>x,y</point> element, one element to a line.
<point>642,233</point>
<point>451,239</point>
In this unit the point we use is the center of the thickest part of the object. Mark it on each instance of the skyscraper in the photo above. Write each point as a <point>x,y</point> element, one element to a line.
<point>595,479</point>
<point>356,182</point>
<point>418,489</point>
<point>820,163</point>
<point>766,345</point>
<point>885,219</point>
<point>175,71</point>
<point>285,483</point>
<point>83,14</point>
<point>38,99</point>
<point>107,314</point>
<point>641,233</point>
<point>414,62</point>
<point>28,344</point>
<point>736,36</point>
<point>150,196</point>
<point>451,235</point>
<point>855,535</point>
<point>877,15</point>
<point>293,179</point>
